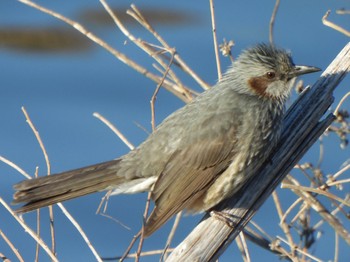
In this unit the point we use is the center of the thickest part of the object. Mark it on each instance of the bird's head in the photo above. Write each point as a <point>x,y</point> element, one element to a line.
<point>267,72</point>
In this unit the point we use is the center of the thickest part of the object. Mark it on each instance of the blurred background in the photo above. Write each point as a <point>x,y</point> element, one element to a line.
<point>62,78</point>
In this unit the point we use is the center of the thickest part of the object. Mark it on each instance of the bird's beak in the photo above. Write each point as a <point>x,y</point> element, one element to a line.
<point>302,70</point>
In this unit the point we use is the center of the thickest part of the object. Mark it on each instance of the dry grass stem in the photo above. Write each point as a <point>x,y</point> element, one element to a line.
<point>37,222</point>
<point>260,229</point>
<point>48,166</point>
<point>115,220</point>
<point>336,27</point>
<point>336,247</point>
<point>138,42</point>
<point>243,248</point>
<point>81,231</point>
<point>341,103</point>
<point>177,57</point>
<point>15,167</point>
<point>300,251</point>
<point>173,88</point>
<point>264,243</point>
<point>216,48</point>
<point>147,48</point>
<point>315,190</point>
<point>300,213</point>
<point>29,231</point>
<point>115,130</point>
<point>154,96</point>
<point>285,227</point>
<point>333,213</point>
<point>104,202</point>
<point>37,136</point>
<point>290,208</point>
<point>132,242</point>
<point>12,247</point>
<point>272,20</point>
<point>337,174</point>
<point>315,204</point>
<point>171,235</point>
<point>147,253</point>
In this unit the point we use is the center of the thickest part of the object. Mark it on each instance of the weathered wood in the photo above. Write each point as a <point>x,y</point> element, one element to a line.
<point>302,127</point>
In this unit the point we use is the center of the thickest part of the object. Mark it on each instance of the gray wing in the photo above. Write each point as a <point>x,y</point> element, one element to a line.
<point>188,175</point>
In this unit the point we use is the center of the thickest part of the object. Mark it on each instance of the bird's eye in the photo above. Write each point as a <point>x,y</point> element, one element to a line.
<point>270,75</point>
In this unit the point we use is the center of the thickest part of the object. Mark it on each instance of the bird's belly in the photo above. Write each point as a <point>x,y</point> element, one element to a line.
<point>225,185</point>
<point>228,183</point>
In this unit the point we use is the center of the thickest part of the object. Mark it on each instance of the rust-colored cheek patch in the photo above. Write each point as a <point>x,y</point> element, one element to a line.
<point>259,85</point>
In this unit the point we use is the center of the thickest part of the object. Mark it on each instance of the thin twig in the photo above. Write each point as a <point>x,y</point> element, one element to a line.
<point>29,231</point>
<point>333,213</point>
<point>265,243</point>
<point>315,190</point>
<point>341,171</point>
<point>171,235</point>
<point>48,166</point>
<point>333,25</point>
<point>115,220</point>
<point>143,254</point>
<point>321,154</point>
<point>320,209</point>
<point>216,48</point>
<point>339,182</point>
<point>178,59</point>
<point>154,96</point>
<point>12,247</point>
<point>132,242</point>
<point>336,247</point>
<point>16,167</point>
<point>37,223</point>
<point>179,87</point>
<point>340,103</point>
<point>290,208</point>
<point>37,136</point>
<point>115,130</point>
<point>242,246</point>
<point>284,226</point>
<point>272,21</point>
<point>81,231</point>
<point>173,88</point>
<point>138,42</point>
<point>301,251</point>
<point>260,229</point>
<point>145,215</point>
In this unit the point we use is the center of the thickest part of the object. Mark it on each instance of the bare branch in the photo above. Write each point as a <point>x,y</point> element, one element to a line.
<point>321,210</point>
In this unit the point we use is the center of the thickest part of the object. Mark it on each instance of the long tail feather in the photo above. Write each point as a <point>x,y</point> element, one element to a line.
<point>45,191</point>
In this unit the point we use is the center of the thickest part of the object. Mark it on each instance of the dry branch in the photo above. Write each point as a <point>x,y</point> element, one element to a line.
<point>302,127</point>
<point>320,209</point>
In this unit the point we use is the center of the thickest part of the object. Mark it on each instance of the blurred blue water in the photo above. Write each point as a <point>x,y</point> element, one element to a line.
<point>61,91</point>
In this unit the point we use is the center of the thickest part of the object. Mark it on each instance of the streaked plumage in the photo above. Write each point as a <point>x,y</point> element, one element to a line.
<point>200,154</point>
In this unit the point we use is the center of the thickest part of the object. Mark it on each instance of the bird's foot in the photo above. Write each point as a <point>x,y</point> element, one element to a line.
<point>229,219</point>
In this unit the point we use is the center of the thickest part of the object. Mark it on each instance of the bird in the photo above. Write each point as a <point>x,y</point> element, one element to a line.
<point>199,155</point>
